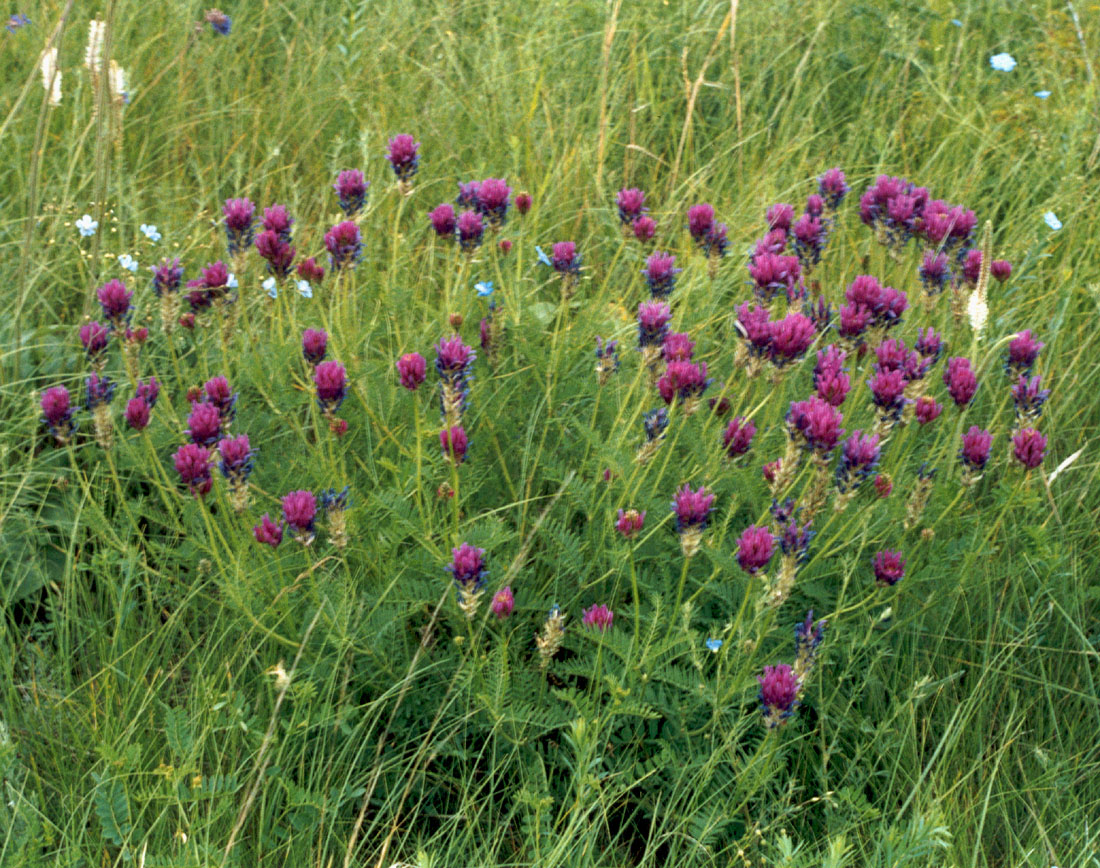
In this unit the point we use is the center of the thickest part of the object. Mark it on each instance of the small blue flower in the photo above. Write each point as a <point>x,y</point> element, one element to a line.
<point>1003,62</point>
<point>304,289</point>
<point>714,645</point>
<point>484,289</point>
<point>272,287</point>
<point>1051,219</point>
<point>128,262</point>
<point>543,258</point>
<point>15,22</point>
<point>1042,94</point>
<point>87,225</point>
<point>956,22</point>
<point>232,281</point>
<point>150,231</point>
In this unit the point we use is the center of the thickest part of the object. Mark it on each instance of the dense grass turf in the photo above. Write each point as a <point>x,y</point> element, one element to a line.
<point>147,640</point>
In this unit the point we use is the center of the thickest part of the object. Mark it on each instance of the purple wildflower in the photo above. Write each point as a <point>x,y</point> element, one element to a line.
<point>239,216</point>
<point>351,190</point>
<point>403,157</point>
<point>344,244</point>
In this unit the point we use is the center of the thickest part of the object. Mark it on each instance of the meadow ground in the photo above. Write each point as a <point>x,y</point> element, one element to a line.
<point>175,692</point>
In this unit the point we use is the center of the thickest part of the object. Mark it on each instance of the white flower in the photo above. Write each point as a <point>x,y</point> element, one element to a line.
<point>271,286</point>
<point>232,281</point>
<point>1051,219</point>
<point>978,312</point>
<point>117,77</point>
<point>51,75</point>
<point>128,262</point>
<point>1003,62</point>
<point>304,289</point>
<point>93,54</point>
<point>150,231</point>
<point>87,225</point>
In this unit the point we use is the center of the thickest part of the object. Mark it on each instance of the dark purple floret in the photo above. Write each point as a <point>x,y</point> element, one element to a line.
<point>454,443</point>
<point>795,539</point>
<point>276,251</point>
<point>815,205</point>
<point>773,274</point>
<point>443,220</point>
<point>236,458</point>
<point>1029,397</point>
<point>888,393</point>
<point>351,189</point>
<point>308,269</point>
<point>700,221</point>
<point>192,462</point>
<point>471,230</point>
<point>929,344</point>
<point>660,274</point>
<point>467,194</point>
<point>976,444</point>
<point>115,299</point>
<point>57,413</point>
<point>810,235</point>
<point>218,392</point>
<point>1029,447</point>
<point>331,380</point>
<point>314,345</point>
<point>467,567</point>
<point>737,438</point>
<point>779,689</point>
<point>239,217</point>
<point>756,328</point>
<point>148,391</point>
<point>94,337</point>
<point>204,424</point>
<point>755,548</point>
<point>565,258</point>
<point>791,337</point>
<point>493,197</point>
<point>807,638</point>
<point>167,277</point>
<point>692,508</point>
<point>97,391</point>
<point>960,380</point>
<point>858,459</point>
<point>277,219</point>
<point>815,424</point>
<point>631,205</point>
<point>684,380</point>
<point>678,347</point>
<point>653,320</point>
<point>1023,350</point>
<point>889,568</point>
<point>655,422</point>
<point>344,244</point>
<point>300,511</point>
<point>403,155</point>
<point>934,272</point>
<point>716,242</point>
<point>268,532</point>
<point>833,187</point>
<point>412,369</point>
<point>780,216</point>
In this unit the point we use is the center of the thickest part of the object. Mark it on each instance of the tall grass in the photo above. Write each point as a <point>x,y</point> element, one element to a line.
<point>148,640</point>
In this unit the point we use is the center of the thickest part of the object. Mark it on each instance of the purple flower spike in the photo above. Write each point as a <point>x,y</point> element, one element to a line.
<point>492,200</point>
<point>716,243</point>
<point>236,458</point>
<point>929,344</point>
<point>218,392</point>
<point>833,187</point>
<point>1001,269</point>
<point>57,413</point>
<point>888,393</point>
<point>1029,447</point>
<point>299,512</point>
<point>691,509</point>
<point>412,368</point>
<point>467,194</point>
<point>167,277</point>
<point>565,258</point>
<point>314,345</point>
<point>598,618</point>
<point>889,568</point>
<point>830,377</point>
<point>308,269</point>
<point>858,459</point>
<point>471,230</point>
<point>934,272</point>
<point>1029,397</point>
<point>684,380</point>
<point>927,409</point>
<point>1023,350</point>
<point>700,221</point>
<point>653,320</point>
<point>114,298</point>
<point>503,602</point>
<point>467,566</point>
<point>204,424</point>
<point>754,325</point>
<point>137,414</point>
<point>780,216</point>
<point>631,205</point>
<point>630,522</point>
<point>815,205</point>
<point>276,251</point>
<point>660,274</point>
<point>268,532</point>
<point>815,424</point>
<point>193,465</point>
<point>774,275</point>
<point>331,380</point>
<point>807,638</point>
<point>344,244</point>
<point>98,391</point>
<point>737,438</point>
<point>678,347</point>
<point>523,203</point>
<point>645,227</point>
<point>755,548</point>
<point>779,689</point>
<point>403,156</point>
<point>454,443</point>
<point>960,381</point>
<point>810,235</point>
<point>351,190</point>
<point>277,219</point>
<point>239,216</point>
<point>972,266</point>
<point>443,220</point>
<point>94,337</point>
<point>976,444</point>
<point>854,319</point>
<point>791,337</point>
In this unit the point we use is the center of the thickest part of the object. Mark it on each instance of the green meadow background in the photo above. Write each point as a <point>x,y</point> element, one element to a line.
<point>951,720</point>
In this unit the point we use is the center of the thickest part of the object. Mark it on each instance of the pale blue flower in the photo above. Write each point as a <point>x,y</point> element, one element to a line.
<point>543,258</point>
<point>1051,219</point>
<point>150,232</point>
<point>1003,62</point>
<point>1042,94</point>
<point>87,225</point>
<point>304,289</point>
<point>714,645</point>
<point>272,287</point>
<point>956,22</point>
<point>484,289</point>
<point>127,261</point>
<point>232,281</point>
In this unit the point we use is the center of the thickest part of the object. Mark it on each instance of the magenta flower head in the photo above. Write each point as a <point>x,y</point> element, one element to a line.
<point>737,438</point>
<point>308,269</point>
<point>929,344</point>
<point>716,243</point>
<point>934,272</point>
<point>523,203</point>
<point>684,380</point>
<point>493,198</point>
<point>193,465</point>
<point>344,245</point>
<point>239,216</point>
<point>236,458</point>
<point>1001,269</point>
<point>277,219</point>
<point>467,566</point>
<point>454,443</point>
<point>780,216</point>
<point>888,393</point>
<point>565,258</point>
<point>598,618</point>
<point>98,391</point>
<point>854,319</point>
<point>815,425</point>
<point>927,409</point>
<point>976,444</point>
<point>630,522</point>
<point>204,424</point>
<point>314,345</point>
<point>277,252</point>
<point>467,194</point>
<point>810,235</point>
<point>137,414</point>
<point>660,274</point>
<point>833,187</point>
<point>972,266</point>
<point>1029,447</point>
<point>299,513</point>
<point>779,689</point>
<point>218,392</point>
<point>471,230</point>
<point>1023,350</point>
<point>452,357</point>
<point>755,327</point>
<point>114,298</point>
<point>889,568</point>
<point>403,156</point>
<point>167,277</point>
<point>755,548</point>
<point>351,190</point>
<point>331,380</point>
<point>57,413</point>
<point>815,205</point>
<point>960,380</point>
<point>774,275</point>
<point>645,227</point>
<point>653,320</point>
<point>830,377</point>
<point>791,337</point>
<point>94,337</point>
<point>631,204</point>
<point>1029,398</point>
<point>219,22</point>
<point>503,602</point>
<point>858,459</point>
<point>691,509</point>
<point>891,355</point>
<point>443,220</point>
<point>678,347</point>
<point>412,368</point>
<point>268,532</point>
<point>700,221</point>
